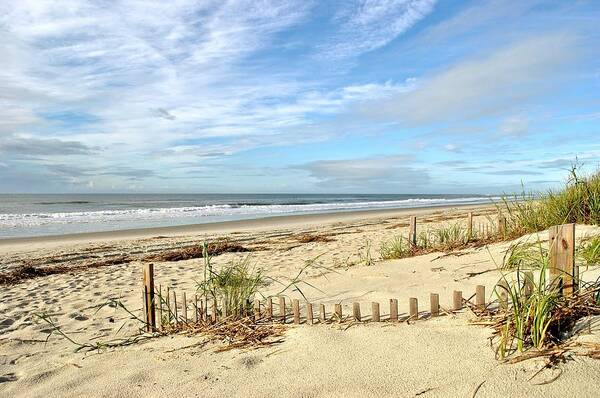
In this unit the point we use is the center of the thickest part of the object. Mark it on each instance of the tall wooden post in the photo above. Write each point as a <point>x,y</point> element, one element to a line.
<point>502,228</point>
<point>150,315</point>
<point>563,270</point>
<point>412,232</point>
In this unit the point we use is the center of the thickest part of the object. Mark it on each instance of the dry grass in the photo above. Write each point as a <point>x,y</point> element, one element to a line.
<point>309,238</point>
<point>214,249</point>
<point>243,333</point>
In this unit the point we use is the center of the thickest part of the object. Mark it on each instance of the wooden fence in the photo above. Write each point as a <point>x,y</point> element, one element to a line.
<point>563,271</point>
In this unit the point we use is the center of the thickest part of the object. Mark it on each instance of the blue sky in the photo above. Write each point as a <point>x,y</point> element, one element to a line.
<point>373,96</point>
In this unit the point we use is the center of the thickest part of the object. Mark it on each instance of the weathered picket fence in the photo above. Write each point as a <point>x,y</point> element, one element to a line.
<point>563,271</point>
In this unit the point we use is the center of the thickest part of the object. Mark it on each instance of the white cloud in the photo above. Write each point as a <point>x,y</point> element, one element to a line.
<point>515,126</point>
<point>385,173</point>
<point>370,24</point>
<point>494,85</point>
<point>452,148</point>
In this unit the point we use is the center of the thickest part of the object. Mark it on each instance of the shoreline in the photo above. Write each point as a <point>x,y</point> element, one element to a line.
<point>253,224</point>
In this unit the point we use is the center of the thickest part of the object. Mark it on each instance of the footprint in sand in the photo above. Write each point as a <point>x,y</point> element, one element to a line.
<point>78,316</point>
<point>8,377</point>
<point>6,323</point>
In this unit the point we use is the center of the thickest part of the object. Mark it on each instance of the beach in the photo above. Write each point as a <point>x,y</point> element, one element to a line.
<point>441,356</point>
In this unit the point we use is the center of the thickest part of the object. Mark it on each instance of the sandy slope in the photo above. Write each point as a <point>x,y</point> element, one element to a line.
<point>438,357</point>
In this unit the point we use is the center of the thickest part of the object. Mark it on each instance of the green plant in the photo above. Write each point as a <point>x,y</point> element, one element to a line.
<point>589,251</point>
<point>394,249</point>
<point>450,236</point>
<point>577,202</point>
<point>531,305</point>
<point>365,257</point>
<point>234,285</point>
<point>525,255</point>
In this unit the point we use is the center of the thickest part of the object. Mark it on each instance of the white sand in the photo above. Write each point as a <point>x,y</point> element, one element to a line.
<point>437,357</point>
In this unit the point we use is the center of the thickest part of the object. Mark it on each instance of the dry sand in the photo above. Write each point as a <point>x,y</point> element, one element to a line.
<point>444,356</point>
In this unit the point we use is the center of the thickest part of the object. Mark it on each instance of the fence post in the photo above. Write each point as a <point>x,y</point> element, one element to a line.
<point>185,312</point>
<point>393,309</point>
<point>375,317</point>
<point>338,312</point>
<point>412,231</point>
<point>563,270</point>
<point>502,225</point>
<point>356,311</point>
<point>282,308</point>
<point>414,308</point>
<point>457,300</point>
<point>160,306</point>
<point>434,300</point>
<point>150,315</point>
<point>296,311</point>
<point>309,313</point>
<point>269,308</point>
<point>480,296</point>
<point>322,313</point>
<point>215,309</point>
<point>256,309</point>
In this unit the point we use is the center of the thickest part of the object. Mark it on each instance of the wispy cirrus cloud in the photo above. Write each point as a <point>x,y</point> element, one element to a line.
<point>370,24</point>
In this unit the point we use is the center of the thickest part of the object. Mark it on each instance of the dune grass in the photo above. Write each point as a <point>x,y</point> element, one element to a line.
<point>234,285</point>
<point>589,251</point>
<point>537,316</point>
<point>395,248</point>
<point>525,255</point>
<point>577,202</point>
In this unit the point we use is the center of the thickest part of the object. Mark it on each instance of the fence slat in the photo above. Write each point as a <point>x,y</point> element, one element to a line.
<point>309,313</point>
<point>414,308</point>
<point>480,296</point>
<point>269,308</point>
<point>375,316</point>
<point>215,311</point>
<point>185,312</point>
<point>434,301</point>
<point>457,300</point>
<point>148,279</point>
<point>296,311</point>
<point>356,312</point>
<point>256,309</point>
<point>282,309</point>
<point>160,306</point>
<point>393,309</point>
<point>175,307</point>
<point>338,312</point>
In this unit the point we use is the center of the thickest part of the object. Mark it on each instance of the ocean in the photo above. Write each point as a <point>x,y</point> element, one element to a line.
<point>24,215</point>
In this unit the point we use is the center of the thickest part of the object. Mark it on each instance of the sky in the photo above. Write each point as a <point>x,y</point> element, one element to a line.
<point>369,96</point>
